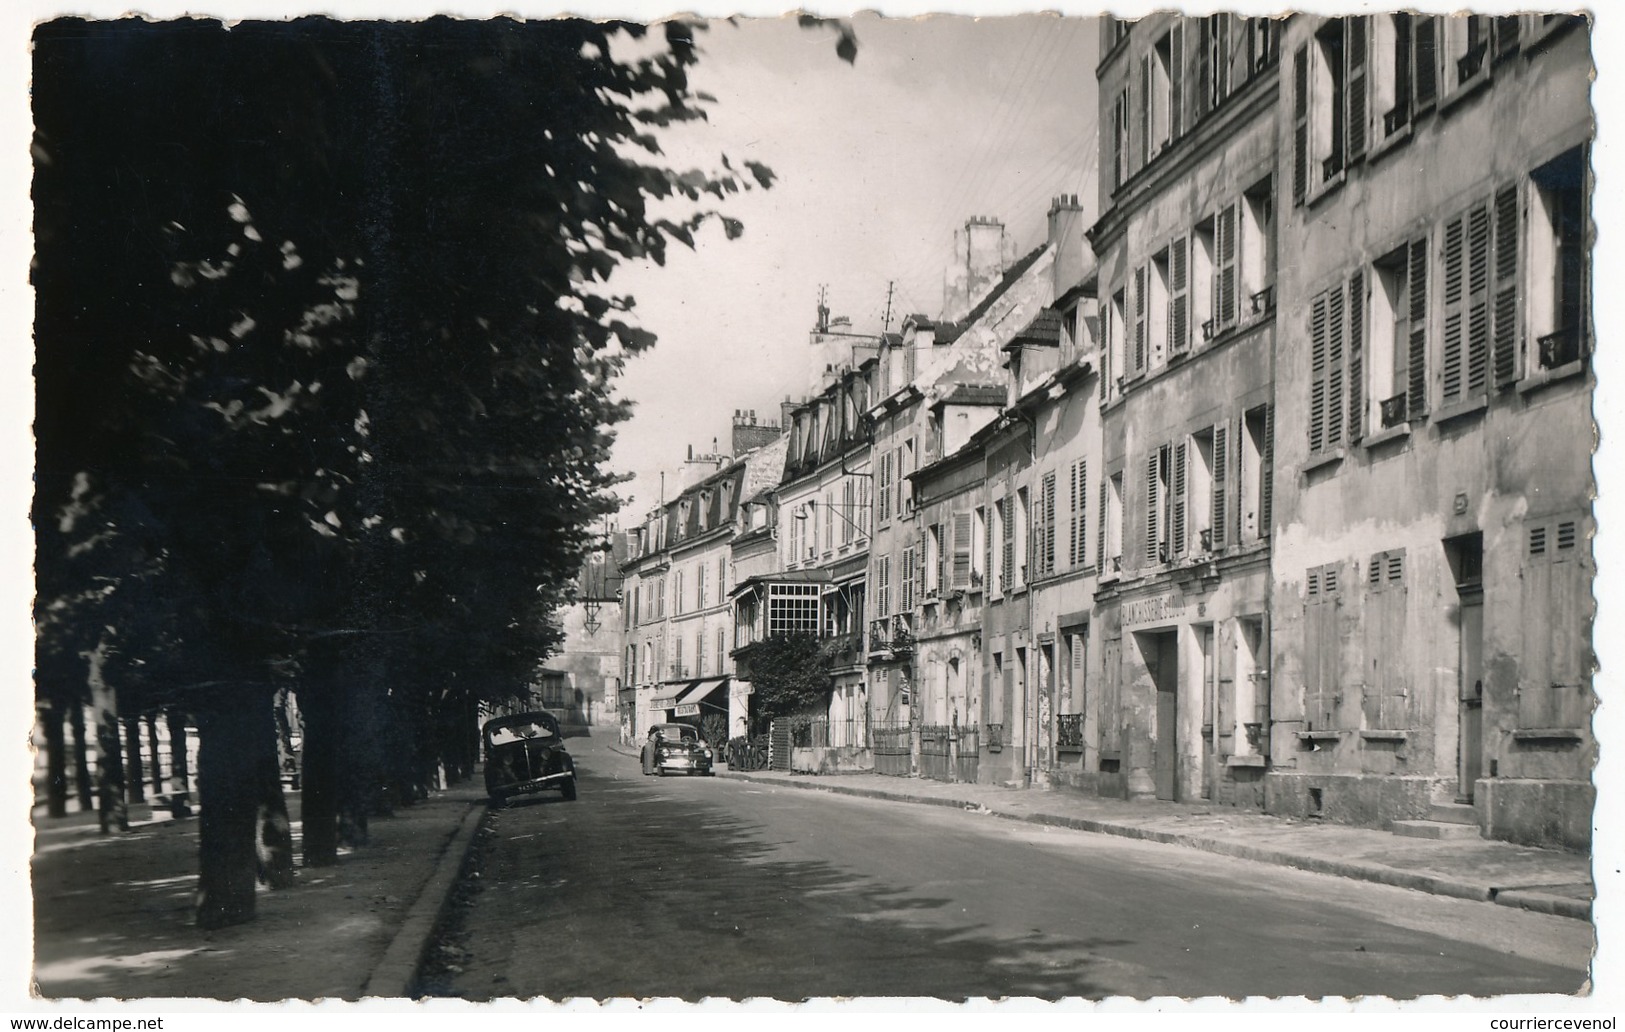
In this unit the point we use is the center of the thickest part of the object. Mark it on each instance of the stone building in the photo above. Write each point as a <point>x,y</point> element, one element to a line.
<point>581,681</point>
<point>1431,599</point>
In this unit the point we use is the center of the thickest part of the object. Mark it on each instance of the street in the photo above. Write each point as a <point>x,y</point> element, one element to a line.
<point>651,887</point>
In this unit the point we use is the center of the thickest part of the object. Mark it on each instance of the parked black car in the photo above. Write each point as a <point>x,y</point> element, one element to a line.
<point>524,752</point>
<point>676,748</point>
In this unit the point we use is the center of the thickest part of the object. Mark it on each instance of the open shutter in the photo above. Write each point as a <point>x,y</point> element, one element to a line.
<point>1176,533</point>
<point>1080,517</point>
<point>961,540</point>
<point>1356,352</point>
<point>1139,319</point>
<point>1176,79</point>
<point>1266,475</point>
<point>1179,295</point>
<point>1317,374</point>
<point>1152,505</point>
<point>1425,59</point>
<point>1416,359</point>
<point>1506,332</point>
<point>1220,42</point>
<point>1202,91</point>
<point>1046,504</point>
<point>1336,327</point>
<point>1221,475</point>
<point>1100,528</point>
<point>1453,256</point>
<point>1224,293</point>
<point>1355,85</point>
<point>1478,299</point>
<point>1300,124</point>
<point>1145,109</point>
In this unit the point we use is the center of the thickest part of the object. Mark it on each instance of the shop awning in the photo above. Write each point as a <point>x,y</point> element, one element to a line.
<point>688,703</point>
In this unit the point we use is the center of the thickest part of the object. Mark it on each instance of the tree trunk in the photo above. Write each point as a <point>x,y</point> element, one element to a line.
<point>230,791</point>
<point>318,799</point>
<point>180,781</point>
<point>56,761</point>
<point>134,780</point>
<point>109,756</point>
<point>152,743</point>
<point>81,757</point>
<point>274,840</point>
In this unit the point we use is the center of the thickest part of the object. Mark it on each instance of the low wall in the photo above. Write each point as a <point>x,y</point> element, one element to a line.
<point>846,759</point>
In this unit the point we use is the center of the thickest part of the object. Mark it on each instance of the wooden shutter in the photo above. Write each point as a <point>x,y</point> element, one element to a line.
<point>1072,504</point>
<point>1220,41</point>
<point>1176,532</point>
<point>1221,474</point>
<point>1336,328</point>
<point>1140,284</point>
<point>1100,526</point>
<point>1478,299</point>
<point>1300,124</point>
<point>1145,109</point>
<point>1176,79</point>
<point>1225,279</point>
<point>1045,541</point>
<point>1416,359</point>
<point>1179,295</point>
<point>1506,314</point>
<point>1152,504</point>
<point>1007,520</point>
<point>1453,258</point>
<point>961,549</point>
<point>1266,475</point>
<point>1080,519</point>
<point>1425,59</point>
<point>1356,355</point>
<point>1202,93</point>
<point>1356,105</point>
<point>1317,374</point>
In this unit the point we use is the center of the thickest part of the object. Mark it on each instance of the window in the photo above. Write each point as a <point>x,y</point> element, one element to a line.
<point>1112,515</point>
<point>883,587</point>
<point>699,586</point>
<point>1165,96</point>
<point>660,607</point>
<point>1391,78</point>
<point>934,560</point>
<point>1559,272</point>
<point>981,549</point>
<point>1464,268</point>
<point>1328,350</point>
<point>793,609</point>
<point>1021,521</point>
<point>1159,306</point>
<point>905,583</point>
<point>1078,499</point>
<point>1225,305</point>
<point>905,489</point>
<point>1120,142</point>
<point>1214,71</point>
<point>1142,288</point>
<point>722,578</point>
<point>829,521</point>
<point>848,509</point>
<point>677,668</point>
<point>1554,669</point>
<point>1004,530</point>
<point>1384,695</point>
<point>1043,538</point>
<point>1387,324</point>
<point>1114,338</point>
<point>636,611</point>
<point>1256,246</point>
<point>1158,504</point>
<point>722,649</point>
<point>1204,491</point>
<point>699,654</point>
<point>1466,51</point>
<point>883,489</point>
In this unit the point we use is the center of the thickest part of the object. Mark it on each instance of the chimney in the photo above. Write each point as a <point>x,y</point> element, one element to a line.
<point>786,408</point>
<point>980,259</point>
<point>747,434</point>
<point>1066,236</point>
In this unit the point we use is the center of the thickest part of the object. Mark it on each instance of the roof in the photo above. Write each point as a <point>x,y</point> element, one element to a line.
<point>1043,331</point>
<point>782,577</point>
<point>1011,275</point>
<point>972,394</point>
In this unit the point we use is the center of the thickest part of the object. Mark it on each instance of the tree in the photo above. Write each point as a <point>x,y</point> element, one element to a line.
<point>788,676</point>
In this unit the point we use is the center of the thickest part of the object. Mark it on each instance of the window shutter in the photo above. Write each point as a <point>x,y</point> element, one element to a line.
<point>1179,295</point>
<point>1139,319</point>
<point>1145,110</point>
<point>1507,219</point>
<point>1354,86</point>
<point>1478,299</point>
<point>962,546</point>
<point>1317,374</point>
<point>1100,527</point>
<point>1176,80</point>
<point>1007,518</point>
<point>1201,95</point>
<point>1300,124</point>
<point>1356,354</point>
<point>1425,59</point>
<point>1221,475</point>
<point>1416,402</point>
<point>1266,506</point>
<point>1080,517</point>
<point>1176,532</point>
<point>1222,29</point>
<point>1335,330</point>
<point>1224,294</point>
<point>1072,515</point>
<point>1453,256</point>
<point>1151,506</point>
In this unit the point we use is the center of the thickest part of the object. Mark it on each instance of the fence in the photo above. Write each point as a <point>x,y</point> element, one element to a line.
<point>891,743</point>
<point>823,733</point>
<point>949,752</point>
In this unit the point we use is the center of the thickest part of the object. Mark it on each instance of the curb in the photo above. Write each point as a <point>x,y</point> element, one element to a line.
<point>395,974</point>
<point>1438,885</point>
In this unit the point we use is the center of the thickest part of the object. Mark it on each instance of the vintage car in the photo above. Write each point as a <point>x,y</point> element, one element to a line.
<point>524,752</point>
<point>676,748</point>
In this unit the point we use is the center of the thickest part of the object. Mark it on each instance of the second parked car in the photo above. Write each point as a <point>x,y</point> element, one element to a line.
<point>676,749</point>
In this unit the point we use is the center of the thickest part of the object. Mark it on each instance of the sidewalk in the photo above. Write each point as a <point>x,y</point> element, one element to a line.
<point>1544,880</point>
<point>113,913</point>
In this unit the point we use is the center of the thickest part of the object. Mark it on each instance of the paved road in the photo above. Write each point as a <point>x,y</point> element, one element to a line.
<point>701,887</point>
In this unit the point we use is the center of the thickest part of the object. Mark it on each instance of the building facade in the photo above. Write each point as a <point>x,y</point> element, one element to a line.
<point>1431,603</point>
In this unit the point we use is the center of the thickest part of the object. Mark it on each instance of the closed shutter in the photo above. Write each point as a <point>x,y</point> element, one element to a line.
<point>1478,299</point>
<point>1100,527</point>
<point>1225,278</point>
<point>1176,532</point>
<point>1223,28</point>
<point>905,582</point>
<point>1416,359</point>
<point>1317,373</point>
<point>1046,503</point>
<point>1007,556</point>
<point>1300,124</point>
<point>1140,285</point>
<point>1354,86</point>
<point>1221,471</point>
<point>1335,329</point>
<point>1179,295</point>
<point>1201,94</point>
<point>1356,355</point>
<point>1145,110</point>
<point>1507,330</point>
<point>1425,59</point>
<point>1266,475</point>
<point>1152,501</point>
<point>1080,508</point>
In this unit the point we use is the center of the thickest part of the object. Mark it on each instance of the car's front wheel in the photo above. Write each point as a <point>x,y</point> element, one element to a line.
<point>568,789</point>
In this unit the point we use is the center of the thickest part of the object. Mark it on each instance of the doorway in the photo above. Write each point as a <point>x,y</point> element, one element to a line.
<point>1466,556</point>
<point>1161,652</point>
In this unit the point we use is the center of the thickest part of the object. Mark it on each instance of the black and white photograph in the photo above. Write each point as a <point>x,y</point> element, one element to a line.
<point>624,515</point>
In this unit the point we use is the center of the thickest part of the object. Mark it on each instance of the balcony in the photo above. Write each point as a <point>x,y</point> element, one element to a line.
<point>1331,168</point>
<point>1559,348</point>
<point>891,638</point>
<point>1396,119</point>
<point>1263,300</point>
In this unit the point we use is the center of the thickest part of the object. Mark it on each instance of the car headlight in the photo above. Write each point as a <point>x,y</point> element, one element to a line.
<point>708,752</point>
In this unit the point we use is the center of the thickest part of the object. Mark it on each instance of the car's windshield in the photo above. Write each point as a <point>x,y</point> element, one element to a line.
<point>520,732</point>
<point>679,732</point>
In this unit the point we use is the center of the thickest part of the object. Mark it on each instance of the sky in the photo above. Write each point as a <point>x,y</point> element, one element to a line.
<point>878,163</point>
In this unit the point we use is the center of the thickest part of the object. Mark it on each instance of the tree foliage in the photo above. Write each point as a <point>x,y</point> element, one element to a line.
<point>788,676</point>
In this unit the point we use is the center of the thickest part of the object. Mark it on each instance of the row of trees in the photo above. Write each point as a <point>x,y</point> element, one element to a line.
<point>324,382</point>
